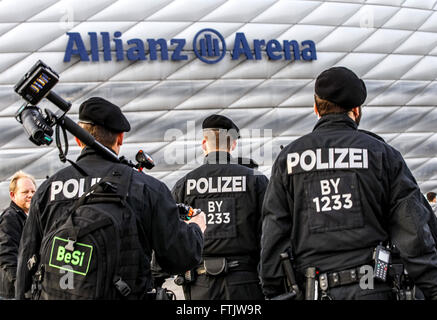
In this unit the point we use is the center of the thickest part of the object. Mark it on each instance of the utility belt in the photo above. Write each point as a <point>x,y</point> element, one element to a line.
<point>216,266</point>
<point>382,269</point>
<point>340,278</point>
<point>318,284</point>
<point>330,280</point>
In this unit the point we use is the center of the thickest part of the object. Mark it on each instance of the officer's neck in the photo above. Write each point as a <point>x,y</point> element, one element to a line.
<point>115,148</point>
<point>218,157</point>
<point>207,152</point>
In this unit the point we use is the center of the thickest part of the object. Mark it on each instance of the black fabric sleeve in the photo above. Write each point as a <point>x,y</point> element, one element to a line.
<point>29,245</point>
<point>177,245</point>
<point>276,231</point>
<point>412,226</point>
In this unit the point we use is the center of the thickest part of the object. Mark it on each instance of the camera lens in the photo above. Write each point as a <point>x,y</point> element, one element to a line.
<point>38,134</point>
<point>35,126</point>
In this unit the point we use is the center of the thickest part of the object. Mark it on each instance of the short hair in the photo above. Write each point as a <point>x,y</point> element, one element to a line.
<point>431,196</point>
<point>103,135</point>
<point>325,107</point>
<point>218,138</point>
<point>19,175</point>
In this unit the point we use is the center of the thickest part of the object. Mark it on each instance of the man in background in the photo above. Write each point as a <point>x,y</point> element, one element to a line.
<point>21,190</point>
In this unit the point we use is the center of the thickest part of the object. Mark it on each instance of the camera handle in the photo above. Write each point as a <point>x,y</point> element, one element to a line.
<point>58,101</point>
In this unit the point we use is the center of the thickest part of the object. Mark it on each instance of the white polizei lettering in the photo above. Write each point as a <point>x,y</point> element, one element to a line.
<point>55,189</point>
<point>331,157</point>
<point>225,187</point>
<point>211,206</point>
<point>205,182</point>
<point>73,193</point>
<point>191,184</point>
<point>236,184</point>
<point>71,188</point>
<point>81,187</point>
<point>337,158</point>
<point>355,160</point>
<point>365,159</point>
<point>335,184</point>
<point>94,181</point>
<point>339,164</point>
<point>219,205</point>
<point>292,161</point>
<point>304,155</point>
<point>324,186</point>
<point>320,164</point>
<point>211,188</point>
<point>217,184</point>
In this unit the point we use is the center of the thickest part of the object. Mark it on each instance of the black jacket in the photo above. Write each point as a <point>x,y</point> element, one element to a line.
<point>231,196</point>
<point>11,226</point>
<point>335,194</point>
<point>177,245</point>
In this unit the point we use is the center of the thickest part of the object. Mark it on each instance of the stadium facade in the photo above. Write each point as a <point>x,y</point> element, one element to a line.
<point>169,64</point>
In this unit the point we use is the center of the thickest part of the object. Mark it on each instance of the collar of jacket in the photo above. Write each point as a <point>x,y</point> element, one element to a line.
<point>220,157</point>
<point>335,121</point>
<point>18,209</point>
<point>90,152</point>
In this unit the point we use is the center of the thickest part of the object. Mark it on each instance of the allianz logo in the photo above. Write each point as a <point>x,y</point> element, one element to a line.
<point>208,45</point>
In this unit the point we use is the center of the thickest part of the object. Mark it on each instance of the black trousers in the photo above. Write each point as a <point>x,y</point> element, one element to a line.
<point>235,285</point>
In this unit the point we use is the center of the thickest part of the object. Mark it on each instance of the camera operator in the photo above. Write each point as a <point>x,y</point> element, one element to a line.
<point>177,245</point>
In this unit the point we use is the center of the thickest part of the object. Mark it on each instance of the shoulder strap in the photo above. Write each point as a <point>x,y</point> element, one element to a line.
<point>114,187</point>
<point>78,168</point>
<point>120,175</point>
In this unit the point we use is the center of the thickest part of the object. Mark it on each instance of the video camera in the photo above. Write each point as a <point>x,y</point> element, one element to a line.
<point>33,87</point>
<point>37,84</point>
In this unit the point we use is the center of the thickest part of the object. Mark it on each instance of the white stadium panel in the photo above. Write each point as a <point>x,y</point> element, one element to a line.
<point>408,19</point>
<point>391,44</point>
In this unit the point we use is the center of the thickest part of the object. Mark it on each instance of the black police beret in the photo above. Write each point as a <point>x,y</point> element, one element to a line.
<point>342,87</point>
<point>99,111</point>
<point>216,121</point>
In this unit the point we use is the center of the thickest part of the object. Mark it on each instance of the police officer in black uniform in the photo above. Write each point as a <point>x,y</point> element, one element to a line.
<point>177,245</point>
<point>231,196</point>
<point>337,193</point>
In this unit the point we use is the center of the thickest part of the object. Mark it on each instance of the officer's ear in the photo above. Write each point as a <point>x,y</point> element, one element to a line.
<point>79,143</point>
<point>120,138</point>
<point>316,111</point>
<point>356,112</point>
<point>204,148</point>
<point>12,195</point>
<point>234,145</point>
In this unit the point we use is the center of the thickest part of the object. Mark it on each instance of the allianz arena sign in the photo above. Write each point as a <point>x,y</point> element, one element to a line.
<point>208,45</point>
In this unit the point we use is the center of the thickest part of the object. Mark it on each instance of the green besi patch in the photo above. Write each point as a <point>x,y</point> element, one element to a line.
<point>78,260</point>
